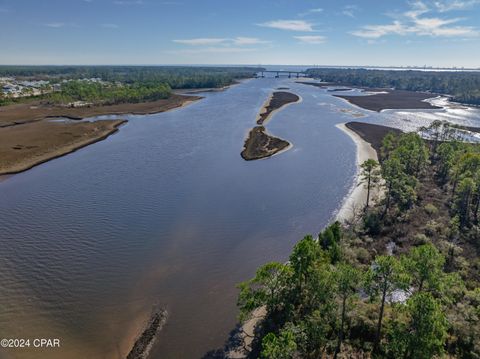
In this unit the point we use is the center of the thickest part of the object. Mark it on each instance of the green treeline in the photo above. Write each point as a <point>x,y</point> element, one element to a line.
<point>175,76</point>
<point>343,294</point>
<point>464,87</point>
<point>107,93</point>
<point>121,84</point>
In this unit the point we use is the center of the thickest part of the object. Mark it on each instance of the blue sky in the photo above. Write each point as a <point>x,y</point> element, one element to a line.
<point>341,32</point>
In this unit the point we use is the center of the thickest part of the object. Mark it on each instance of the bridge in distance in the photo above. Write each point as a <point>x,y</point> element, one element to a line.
<point>285,73</point>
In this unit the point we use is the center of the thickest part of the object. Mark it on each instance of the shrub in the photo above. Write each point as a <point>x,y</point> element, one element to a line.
<point>420,239</point>
<point>372,223</point>
<point>363,256</point>
<point>430,209</point>
<point>431,228</point>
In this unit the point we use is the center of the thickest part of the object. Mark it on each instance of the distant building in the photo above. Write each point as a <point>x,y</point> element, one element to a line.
<point>77,104</point>
<point>9,89</point>
<point>34,84</point>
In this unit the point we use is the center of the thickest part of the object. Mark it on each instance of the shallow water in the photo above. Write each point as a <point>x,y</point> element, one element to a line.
<point>166,213</point>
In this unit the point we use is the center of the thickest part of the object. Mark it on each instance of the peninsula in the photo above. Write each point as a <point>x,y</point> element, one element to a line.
<point>388,99</point>
<point>29,136</point>
<point>378,99</point>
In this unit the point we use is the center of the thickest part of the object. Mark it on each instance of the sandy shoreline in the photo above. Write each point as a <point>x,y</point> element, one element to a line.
<point>357,196</point>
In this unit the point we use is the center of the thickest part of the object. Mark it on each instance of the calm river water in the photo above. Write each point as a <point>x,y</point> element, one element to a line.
<point>166,213</point>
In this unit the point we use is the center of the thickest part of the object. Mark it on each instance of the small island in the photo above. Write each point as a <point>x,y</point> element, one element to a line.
<point>278,100</point>
<point>260,144</point>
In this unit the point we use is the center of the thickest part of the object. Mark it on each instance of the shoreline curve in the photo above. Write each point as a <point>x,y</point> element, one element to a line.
<point>357,195</point>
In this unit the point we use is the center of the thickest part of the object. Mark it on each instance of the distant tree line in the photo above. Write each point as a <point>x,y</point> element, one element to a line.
<point>109,93</point>
<point>464,87</point>
<point>175,76</point>
<point>121,84</point>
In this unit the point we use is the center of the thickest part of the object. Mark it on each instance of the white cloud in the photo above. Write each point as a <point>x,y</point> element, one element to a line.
<point>55,24</point>
<point>110,26</point>
<point>418,8</point>
<point>209,41</point>
<point>211,50</point>
<point>201,41</point>
<point>292,25</point>
<point>240,40</point>
<point>450,5</point>
<point>349,10</point>
<point>310,12</point>
<point>376,31</point>
<point>128,2</point>
<point>414,22</point>
<point>311,39</point>
<point>465,31</point>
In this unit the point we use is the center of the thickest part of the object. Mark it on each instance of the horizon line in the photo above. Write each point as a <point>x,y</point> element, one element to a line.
<point>261,65</point>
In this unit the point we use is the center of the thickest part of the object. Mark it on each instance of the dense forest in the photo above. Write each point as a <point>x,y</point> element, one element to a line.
<point>175,76</point>
<point>464,87</point>
<point>399,280</point>
<point>98,93</point>
<point>107,93</point>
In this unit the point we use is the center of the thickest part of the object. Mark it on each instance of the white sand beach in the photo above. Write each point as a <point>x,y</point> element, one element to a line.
<point>357,197</point>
